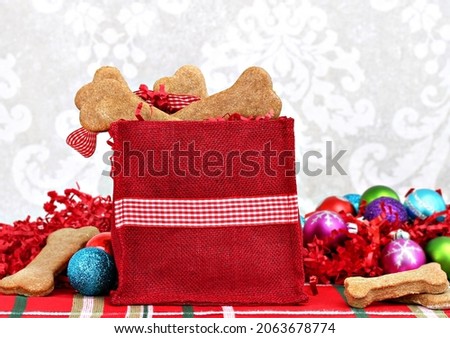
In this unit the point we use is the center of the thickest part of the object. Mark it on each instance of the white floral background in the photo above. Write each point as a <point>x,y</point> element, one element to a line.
<point>371,76</point>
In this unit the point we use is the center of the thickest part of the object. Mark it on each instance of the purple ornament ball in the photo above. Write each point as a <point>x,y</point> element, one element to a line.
<point>402,255</point>
<point>321,224</point>
<point>388,208</point>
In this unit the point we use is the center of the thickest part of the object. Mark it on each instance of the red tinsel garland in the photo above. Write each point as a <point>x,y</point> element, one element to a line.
<point>360,254</point>
<point>20,243</point>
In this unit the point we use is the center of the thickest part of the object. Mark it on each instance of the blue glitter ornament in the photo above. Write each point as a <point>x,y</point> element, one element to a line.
<point>92,272</point>
<point>388,208</point>
<point>354,199</point>
<point>422,203</point>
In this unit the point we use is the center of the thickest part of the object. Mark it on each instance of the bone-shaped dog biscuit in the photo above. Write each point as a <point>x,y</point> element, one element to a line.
<point>429,278</point>
<point>38,277</point>
<point>109,100</point>
<point>439,301</point>
<point>103,73</point>
<point>187,80</point>
<point>250,95</point>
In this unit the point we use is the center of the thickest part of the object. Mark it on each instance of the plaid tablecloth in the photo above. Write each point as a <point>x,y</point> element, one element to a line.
<point>330,302</point>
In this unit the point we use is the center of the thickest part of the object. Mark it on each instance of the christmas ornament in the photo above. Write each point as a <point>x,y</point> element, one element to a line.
<point>399,234</point>
<point>402,255</point>
<point>354,199</point>
<point>360,254</point>
<point>101,241</point>
<point>378,191</point>
<point>336,204</point>
<point>92,272</point>
<point>321,224</point>
<point>387,208</point>
<point>352,227</point>
<point>438,250</point>
<point>422,203</point>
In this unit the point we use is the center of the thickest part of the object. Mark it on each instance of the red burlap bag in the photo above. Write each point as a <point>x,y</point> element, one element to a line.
<point>206,213</point>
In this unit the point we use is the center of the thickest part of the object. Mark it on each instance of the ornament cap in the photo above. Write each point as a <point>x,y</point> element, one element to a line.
<point>400,234</point>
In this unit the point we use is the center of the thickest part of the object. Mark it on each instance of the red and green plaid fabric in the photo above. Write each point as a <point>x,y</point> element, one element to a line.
<point>330,302</point>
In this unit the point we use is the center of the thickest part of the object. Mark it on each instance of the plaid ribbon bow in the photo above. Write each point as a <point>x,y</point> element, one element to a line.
<point>85,141</point>
<point>167,102</point>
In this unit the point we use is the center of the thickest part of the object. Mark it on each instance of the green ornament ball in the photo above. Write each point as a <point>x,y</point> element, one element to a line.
<point>438,250</point>
<point>378,191</point>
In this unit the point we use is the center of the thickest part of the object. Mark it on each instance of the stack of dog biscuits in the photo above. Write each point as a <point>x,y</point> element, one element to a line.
<point>427,286</point>
<point>108,98</point>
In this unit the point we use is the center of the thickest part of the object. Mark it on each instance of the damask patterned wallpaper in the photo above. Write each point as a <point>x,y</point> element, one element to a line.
<point>372,77</point>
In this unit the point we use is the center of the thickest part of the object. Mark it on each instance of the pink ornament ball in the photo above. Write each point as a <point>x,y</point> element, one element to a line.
<point>402,255</point>
<point>321,224</point>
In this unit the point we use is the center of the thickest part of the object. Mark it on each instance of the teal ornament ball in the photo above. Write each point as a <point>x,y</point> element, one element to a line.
<point>378,191</point>
<point>422,203</point>
<point>438,250</point>
<point>354,199</point>
<point>92,272</point>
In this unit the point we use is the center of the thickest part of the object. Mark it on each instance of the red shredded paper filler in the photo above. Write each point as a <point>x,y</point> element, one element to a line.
<point>22,241</point>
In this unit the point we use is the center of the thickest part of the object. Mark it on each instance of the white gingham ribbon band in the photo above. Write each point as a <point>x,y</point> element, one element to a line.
<point>241,211</point>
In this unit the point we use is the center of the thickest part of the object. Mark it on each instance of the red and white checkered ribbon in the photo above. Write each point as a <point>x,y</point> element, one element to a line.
<point>83,141</point>
<point>167,102</point>
<point>241,211</point>
<point>178,101</point>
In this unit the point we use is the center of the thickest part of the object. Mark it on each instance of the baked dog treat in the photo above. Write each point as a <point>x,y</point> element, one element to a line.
<point>103,73</point>
<point>38,277</point>
<point>429,278</point>
<point>108,99</point>
<point>439,301</point>
<point>250,95</point>
<point>187,80</point>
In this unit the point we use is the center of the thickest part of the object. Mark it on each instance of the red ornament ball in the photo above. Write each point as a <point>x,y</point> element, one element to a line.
<point>337,204</point>
<point>101,241</point>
